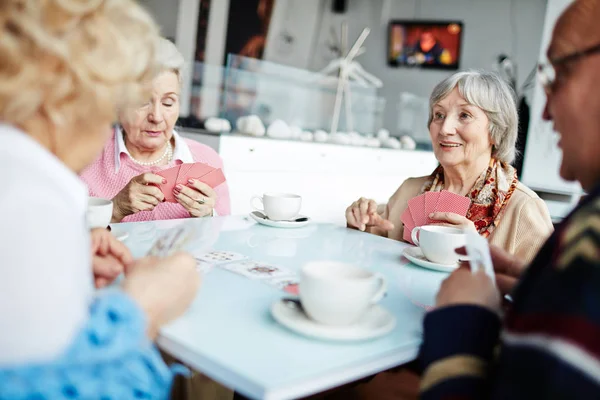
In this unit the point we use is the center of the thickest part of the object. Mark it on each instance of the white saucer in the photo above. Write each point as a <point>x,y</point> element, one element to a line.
<point>377,322</point>
<point>279,224</point>
<point>415,255</point>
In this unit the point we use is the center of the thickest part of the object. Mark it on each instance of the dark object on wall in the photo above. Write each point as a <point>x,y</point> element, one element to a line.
<point>247,27</point>
<point>524,114</point>
<point>425,44</point>
<point>339,6</point>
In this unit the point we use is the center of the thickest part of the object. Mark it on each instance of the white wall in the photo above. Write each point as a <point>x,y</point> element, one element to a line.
<point>491,27</point>
<point>165,13</point>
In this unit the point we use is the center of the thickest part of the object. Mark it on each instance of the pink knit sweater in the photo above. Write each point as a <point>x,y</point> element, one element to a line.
<point>104,181</point>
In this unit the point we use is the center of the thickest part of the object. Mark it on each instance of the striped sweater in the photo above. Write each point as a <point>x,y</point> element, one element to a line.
<point>549,339</point>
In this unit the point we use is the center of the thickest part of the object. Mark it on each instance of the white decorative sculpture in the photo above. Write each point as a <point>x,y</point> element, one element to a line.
<point>408,143</point>
<point>383,134</point>
<point>279,130</point>
<point>321,136</point>
<point>213,124</point>
<point>250,125</point>
<point>391,143</point>
<point>346,69</point>
<point>306,136</point>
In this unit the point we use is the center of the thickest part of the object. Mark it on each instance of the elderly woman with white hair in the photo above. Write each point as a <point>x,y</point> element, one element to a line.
<point>473,125</point>
<point>146,142</point>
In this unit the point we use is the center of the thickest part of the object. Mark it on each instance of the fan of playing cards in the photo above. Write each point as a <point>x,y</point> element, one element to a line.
<point>419,208</point>
<point>182,173</point>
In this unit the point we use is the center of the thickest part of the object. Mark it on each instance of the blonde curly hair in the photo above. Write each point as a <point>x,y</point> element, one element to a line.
<point>67,60</point>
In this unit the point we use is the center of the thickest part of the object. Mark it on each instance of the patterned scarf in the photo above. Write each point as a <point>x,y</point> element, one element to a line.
<point>490,193</point>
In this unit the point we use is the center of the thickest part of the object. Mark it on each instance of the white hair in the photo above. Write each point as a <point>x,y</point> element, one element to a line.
<point>169,58</point>
<point>494,97</point>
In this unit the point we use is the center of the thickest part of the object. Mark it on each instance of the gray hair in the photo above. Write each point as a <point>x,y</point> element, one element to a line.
<point>169,58</point>
<point>495,97</point>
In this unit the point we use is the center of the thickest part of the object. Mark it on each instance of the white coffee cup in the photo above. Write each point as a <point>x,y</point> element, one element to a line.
<point>99,212</point>
<point>278,206</point>
<point>439,243</point>
<point>337,293</point>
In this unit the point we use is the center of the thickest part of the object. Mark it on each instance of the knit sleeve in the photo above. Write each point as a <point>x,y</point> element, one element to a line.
<point>111,358</point>
<point>533,227</point>
<point>456,353</point>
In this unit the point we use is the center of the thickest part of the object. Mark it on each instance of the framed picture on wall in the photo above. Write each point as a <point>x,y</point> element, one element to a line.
<point>425,44</point>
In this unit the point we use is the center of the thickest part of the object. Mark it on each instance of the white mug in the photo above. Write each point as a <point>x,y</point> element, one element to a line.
<point>99,212</point>
<point>337,293</point>
<point>439,243</point>
<point>278,206</point>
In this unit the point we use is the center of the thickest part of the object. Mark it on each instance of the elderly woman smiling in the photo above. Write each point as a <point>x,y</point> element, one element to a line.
<point>473,126</point>
<point>144,143</point>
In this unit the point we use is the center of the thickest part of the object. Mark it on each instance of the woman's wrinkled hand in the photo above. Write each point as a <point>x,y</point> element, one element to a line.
<point>140,194</point>
<point>453,220</point>
<point>362,214</point>
<point>197,198</point>
<point>110,257</point>
<point>163,287</point>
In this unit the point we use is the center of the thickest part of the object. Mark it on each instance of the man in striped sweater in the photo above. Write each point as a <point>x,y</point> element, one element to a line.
<point>550,337</point>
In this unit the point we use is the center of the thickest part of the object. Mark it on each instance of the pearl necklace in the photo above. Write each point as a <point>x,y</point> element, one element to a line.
<point>168,154</point>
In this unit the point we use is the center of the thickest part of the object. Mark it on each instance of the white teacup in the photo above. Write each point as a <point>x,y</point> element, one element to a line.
<point>278,206</point>
<point>336,293</point>
<point>439,243</point>
<point>99,212</point>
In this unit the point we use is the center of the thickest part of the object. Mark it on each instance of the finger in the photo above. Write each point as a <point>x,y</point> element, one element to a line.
<point>120,251</point>
<point>148,178</point>
<point>152,191</point>
<point>363,206</point>
<point>505,283</point>
<point>372,208</point>
<point>202,188</point>
<point>101,282</point>
<point>450,217</point>
<point>359,221</point>
<point>193,207</point>
<point>107,267</point>
<point>350,219</point>
<point>142,205</point>
<point>383,223</point>
<point>195,195</point>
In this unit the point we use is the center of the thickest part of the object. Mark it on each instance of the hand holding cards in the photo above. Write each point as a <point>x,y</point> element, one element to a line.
<point>419,208</point>
<point>181,174</point>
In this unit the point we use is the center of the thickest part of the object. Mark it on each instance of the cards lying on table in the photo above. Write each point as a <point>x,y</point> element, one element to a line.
<point>418,209</point>
<point>478,251</point>
<point>182,173</point>
<point>280,278</point>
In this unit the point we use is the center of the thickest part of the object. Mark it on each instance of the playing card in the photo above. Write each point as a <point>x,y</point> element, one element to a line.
<point>184,169</point>
<point>203,266</point>
<point>431,199</point>
<point>452,202</point>
<point>258,270</point>
<point>407,220</point>
<point>478,252</point>
<point>214,178</point>
<point>167,188</point>
<point>220,257</point>
<point>417,210</point>
<point>406,235</point>
<point>287,284</point>
<point>172,241</point>
<point>198,170</point>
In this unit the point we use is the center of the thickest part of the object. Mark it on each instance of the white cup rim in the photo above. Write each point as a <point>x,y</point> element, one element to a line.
<point>282,195</point>
<point>98,201</point>
<point>447,230</point>
<point>315,270</point>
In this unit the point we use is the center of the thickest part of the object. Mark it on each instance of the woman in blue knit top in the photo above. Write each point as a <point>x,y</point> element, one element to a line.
<point>66,67</point>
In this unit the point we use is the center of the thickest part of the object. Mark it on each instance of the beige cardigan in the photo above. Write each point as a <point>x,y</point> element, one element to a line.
<point>523,229</point>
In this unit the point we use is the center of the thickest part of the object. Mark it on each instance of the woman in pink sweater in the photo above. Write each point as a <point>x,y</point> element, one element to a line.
<point>145,143</point>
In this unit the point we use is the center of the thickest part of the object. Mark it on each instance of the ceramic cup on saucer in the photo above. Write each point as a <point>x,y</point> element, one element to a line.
<point>439,243</point>
<point>99,212</point>
<point>336,293</point>
<point>278,206</point>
